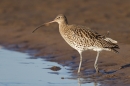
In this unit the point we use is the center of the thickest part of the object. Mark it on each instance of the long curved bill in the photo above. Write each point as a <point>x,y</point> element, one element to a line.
<point>45,24</point>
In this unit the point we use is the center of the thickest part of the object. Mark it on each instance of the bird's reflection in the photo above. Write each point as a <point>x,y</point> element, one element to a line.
<point>80,82</point>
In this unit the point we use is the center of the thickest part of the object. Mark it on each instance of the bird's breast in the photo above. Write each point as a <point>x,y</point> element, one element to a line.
<point>73,40</point>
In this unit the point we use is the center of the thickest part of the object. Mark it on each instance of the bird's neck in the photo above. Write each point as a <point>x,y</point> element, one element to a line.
<point>63,28</point>
<point>63,25</point>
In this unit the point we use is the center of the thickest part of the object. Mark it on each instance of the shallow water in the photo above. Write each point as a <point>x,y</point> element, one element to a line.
<point>17,69</point>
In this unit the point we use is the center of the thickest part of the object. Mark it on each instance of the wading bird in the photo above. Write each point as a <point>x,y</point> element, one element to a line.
<point>83,38</point>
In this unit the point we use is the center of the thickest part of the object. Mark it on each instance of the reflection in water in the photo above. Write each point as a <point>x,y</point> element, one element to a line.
<point>80,82</point>
<point>18,70</point>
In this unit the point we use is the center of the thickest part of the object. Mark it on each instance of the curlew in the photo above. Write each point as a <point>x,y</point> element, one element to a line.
<point>83,38</point>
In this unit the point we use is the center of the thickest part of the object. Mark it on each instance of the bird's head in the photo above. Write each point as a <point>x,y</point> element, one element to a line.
<point>60,19</point>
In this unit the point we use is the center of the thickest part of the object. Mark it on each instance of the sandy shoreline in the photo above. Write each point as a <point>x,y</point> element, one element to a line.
<point>19,20</point>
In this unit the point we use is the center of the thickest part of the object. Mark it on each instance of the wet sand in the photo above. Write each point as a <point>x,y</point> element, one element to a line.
<point>19,18</point>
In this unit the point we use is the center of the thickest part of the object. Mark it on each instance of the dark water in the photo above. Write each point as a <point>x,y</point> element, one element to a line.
<point>17,69</point>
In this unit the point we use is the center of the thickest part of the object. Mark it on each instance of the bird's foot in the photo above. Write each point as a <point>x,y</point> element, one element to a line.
<point>96,68</point>
<point>97,71</point>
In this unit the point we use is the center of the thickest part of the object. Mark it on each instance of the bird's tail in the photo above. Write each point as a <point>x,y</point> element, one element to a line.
<point>110,44</point>
<point>110,40</point>
<point>114,50</point>
<point>112,47</point>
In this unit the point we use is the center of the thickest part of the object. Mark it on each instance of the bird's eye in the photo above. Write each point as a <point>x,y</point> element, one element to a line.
<point>58,17</point>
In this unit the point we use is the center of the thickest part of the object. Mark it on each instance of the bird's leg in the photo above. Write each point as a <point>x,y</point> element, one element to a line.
<point>95,64</point>
<point>80,61</point>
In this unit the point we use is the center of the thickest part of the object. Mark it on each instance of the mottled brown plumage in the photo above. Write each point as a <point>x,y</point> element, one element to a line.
<point>83,38</point>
